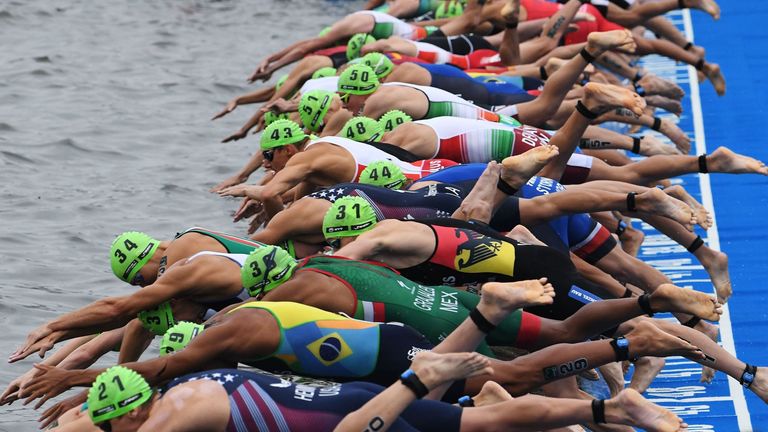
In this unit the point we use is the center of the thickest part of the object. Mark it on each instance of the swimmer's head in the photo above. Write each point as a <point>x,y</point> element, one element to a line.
<point>115,392</point>
<point>449,9</point>
<point>392,119</point>
<point>383,173</point>
<point>280,141</point>
<point>179,336</point>
<point>356,43</point>
<point>270,117</point>
<point>289,246</point>
<point>324,72</point>
<point>158,319</point>
<point>358,79</point>
<point>266,268</point>
<point>362,129</point>
<point>313,108</point>
<point>348,216</point>
<point>380,64</point>
<point>129,253</point>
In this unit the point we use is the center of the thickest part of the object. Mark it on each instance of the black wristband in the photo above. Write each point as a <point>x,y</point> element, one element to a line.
<point>466,402</point>
<point>511,25</point>
<point>543,73</point>
<point>631,205</point>
<point>480,321</point>
<point>505,187</point>
<point>620,228</point>
<point>620,346</point>
<point>688,46</point>
<point>696,244</point>
<point>640,90</point>
<point>589,58</point>
<point>703,164</point>
<point>644,301</point>
<point>656,124</point>
<point>692,322</point>
<point>748,376</point>
<point>627,293</point>
<point>598,410</point>
<point>410,380</point>
<point>583,110</point>
<point>636,144</point>
<point>699,64</point>
<point>638,77</point>
<point>681,4</point>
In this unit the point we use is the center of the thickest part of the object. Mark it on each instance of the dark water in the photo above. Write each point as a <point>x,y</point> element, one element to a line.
<point>104,127</point>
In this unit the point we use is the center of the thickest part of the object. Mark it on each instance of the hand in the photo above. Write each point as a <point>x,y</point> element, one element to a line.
<point>257,221</point>
<point>40,339</point>
<point>231,181</point>
<point>56,410</point>
<point>231,105</point>
<point>243,190</point>
<point>248,208</point>
<point>49,382</point>
<point>278,106</point>
<point>11,393</point>
<point>260,125</point>
<point>260,72</point>
<point>240,134</point>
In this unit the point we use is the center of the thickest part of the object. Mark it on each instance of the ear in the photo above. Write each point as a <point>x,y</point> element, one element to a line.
<point>291,149</point>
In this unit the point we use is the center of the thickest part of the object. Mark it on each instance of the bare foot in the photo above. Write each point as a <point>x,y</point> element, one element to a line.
<point>724,160</point>
<point>655,201</point>
<point>703,217</point>
<point>716,265</point>
<point>478,204</point>
<point>490,394</point>
<point>648,340</point>
<point>707,375</point>
<point>631,240</point>
<point>713,73</point>
<point>619,40</point>
<point>630,408</point>
<point>517,170</point>
<point>668,104</point>
<point>614,377</point>
<point>651,146</point>
<point>511,11</point>
<point>708,6</point>
<point>499,299</point>
<point>760,384</point>
<point>434,369</point>
<point>601,98</point>
<point>699,51</point>
<point>554,64</point>
<point>676,135</point>
<point>655,85</point>
<point>646,369</point>
<point>670,298</point>
<point>524,235</point>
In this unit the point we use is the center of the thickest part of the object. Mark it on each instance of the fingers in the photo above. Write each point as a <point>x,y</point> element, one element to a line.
<point>220,114</point>
<point>20,354</point>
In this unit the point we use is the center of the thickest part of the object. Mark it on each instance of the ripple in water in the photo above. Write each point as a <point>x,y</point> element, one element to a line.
<point>17,158</point>
<point>5,127</point>
<point>42,59</point>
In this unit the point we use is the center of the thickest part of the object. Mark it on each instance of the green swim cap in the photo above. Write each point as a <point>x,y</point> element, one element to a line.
<point>383,173</point>
<point>280,82</point>
<point>270,117</point>
<point>348,216</point>
<point>115,392</point>
<point>358,79</point>
<point>324,72</point>
<point>380,64</point>
<point>313,107</point>
<point>159,319</point>
<point>392,119</point>
<point>289,247</point>
<point>266,268</point>
<point>449,9</point>
<point>281,133</point>
<point>179,336</point>
<point>356,42</point>
<point>362,129</point>
<point>129,252</point>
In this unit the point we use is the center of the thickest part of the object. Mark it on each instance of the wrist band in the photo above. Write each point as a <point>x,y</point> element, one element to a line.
<point>636,144</point>
<point>656,124</point>
<point>644,301</point>
<point>480,321</point>
<point>631,205</point>
<point>511,25</point>
<point>505,187</point>
<point>639,89</point>
<point>703,164</point>
<point>620,228</point>
<point>638,77</point>
<point>410,380</point>
<point>748,376</point>
<point>583,110</point>
<point>688,46</point>
<point>466,402</point>
<point>620,346</point>
<point>696,244</point>
<point>627,293</point>
<point>598,410</point>
<point>681,4</point>
<point>692,322</point>
<point>699,64</point>
<point>543,73</point>
<point>589,58</point>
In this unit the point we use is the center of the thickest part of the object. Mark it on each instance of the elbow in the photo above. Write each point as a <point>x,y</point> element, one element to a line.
<point>269,194</point>
<point>117,307</point>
